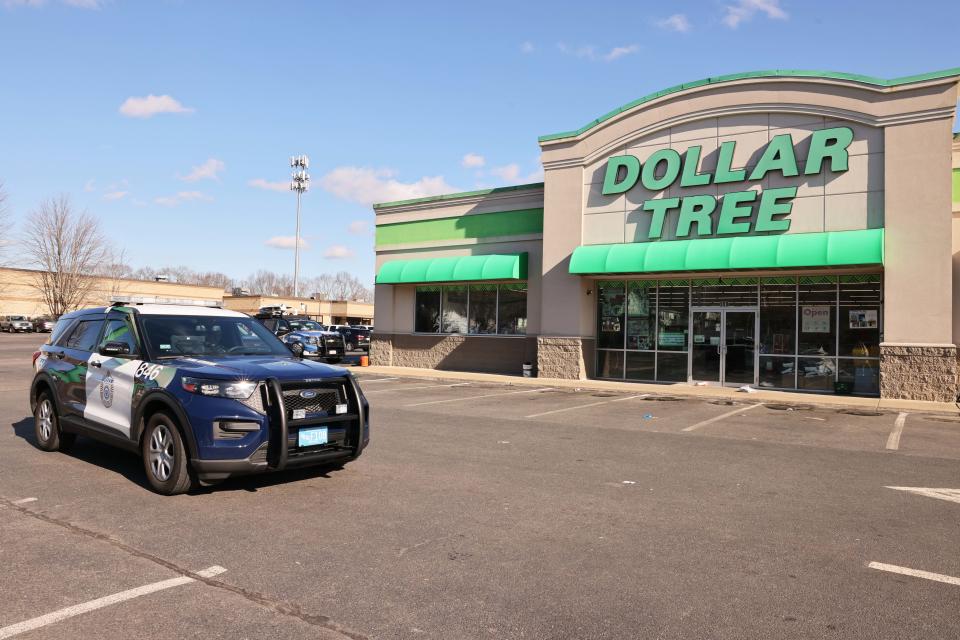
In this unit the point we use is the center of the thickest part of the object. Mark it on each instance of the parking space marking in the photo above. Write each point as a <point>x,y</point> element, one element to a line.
<point>24,500</point>
<point>429,386</point>
<point>488,395</point>
<point>893,441</point>
<point>916,573</point>
<point>953,495</point>
<point>720,417</point>
<point>376,380</point>
<point>583,406</point>
<point>106,601</point>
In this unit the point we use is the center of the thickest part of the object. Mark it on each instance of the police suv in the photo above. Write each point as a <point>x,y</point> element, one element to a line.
<point>200,393</point>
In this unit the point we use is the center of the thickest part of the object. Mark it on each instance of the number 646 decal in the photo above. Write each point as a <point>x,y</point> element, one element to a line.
<point>148,371</point>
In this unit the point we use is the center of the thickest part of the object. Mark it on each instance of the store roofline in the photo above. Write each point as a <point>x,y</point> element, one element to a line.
<point>462,194</point>
<point>774,73</point>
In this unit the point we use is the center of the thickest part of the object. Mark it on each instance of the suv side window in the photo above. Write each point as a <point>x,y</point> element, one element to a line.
<point>84,335</point>
<point>60,331</point>
<point>118,330</point>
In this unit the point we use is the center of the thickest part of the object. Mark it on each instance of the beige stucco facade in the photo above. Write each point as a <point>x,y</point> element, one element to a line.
<point>20,296</point>
<point>896,180</point>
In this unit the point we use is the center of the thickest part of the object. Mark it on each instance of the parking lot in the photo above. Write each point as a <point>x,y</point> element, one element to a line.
<point>497,511</point>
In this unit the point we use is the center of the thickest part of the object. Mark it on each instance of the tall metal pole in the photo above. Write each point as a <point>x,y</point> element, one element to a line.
<point>296,253</point>
<point>299,182</point>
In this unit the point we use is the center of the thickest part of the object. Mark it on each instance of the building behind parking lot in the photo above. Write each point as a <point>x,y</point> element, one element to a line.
<point>785,229</point>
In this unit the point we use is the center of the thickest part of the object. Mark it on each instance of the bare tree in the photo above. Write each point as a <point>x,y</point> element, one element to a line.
<point>6,227</point>
<point>67,246</point>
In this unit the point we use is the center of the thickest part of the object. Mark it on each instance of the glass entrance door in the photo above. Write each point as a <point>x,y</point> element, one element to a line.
<point>705,351</point>
<point>739,347</point>
<point>723,346</point>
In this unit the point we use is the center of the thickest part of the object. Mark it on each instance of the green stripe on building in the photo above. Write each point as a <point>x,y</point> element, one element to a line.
<point>481,225</point>
<point>956,185</point>
<point>798,250</point>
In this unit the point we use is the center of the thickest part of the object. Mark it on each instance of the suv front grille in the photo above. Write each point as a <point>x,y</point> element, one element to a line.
<point>325,400</point>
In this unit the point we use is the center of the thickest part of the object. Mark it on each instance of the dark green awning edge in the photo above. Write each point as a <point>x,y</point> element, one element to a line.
<point>454,269</point>
<point>798,250</point>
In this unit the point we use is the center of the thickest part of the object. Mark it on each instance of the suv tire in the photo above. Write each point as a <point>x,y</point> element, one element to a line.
<point>165,458</point>
<point>46,426</point>
<point>351,346</point>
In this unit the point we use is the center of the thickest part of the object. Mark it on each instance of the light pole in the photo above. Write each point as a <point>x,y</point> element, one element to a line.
<point>299,182</point>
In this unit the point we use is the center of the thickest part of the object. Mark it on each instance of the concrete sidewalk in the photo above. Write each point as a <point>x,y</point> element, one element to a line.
<point>677,389</point>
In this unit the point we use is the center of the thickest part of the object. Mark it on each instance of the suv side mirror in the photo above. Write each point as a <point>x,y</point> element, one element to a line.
<point>296,349</point>
<point>115,349</point>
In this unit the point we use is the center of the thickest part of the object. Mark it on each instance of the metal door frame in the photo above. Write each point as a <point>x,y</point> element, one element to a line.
<point>723,342</point>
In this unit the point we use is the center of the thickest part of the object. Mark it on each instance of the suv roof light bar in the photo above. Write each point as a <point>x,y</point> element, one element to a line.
<point>116,301</point>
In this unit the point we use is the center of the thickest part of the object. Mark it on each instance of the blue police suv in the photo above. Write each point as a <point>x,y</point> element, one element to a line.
<point>200,393</point>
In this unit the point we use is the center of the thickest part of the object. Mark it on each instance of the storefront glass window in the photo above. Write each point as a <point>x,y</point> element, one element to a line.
<point>428,310</point>
<point>674,307</point>
<point>454,310</point>
<point>483,308</point>
<point>778,318</point>
<point>640,365</point>
<point>862,374</point>
<point>513,309</point>
<point>609,364</point>
<point>671,367</point>
<point>817,316</point>
<point>859,333</point>
<point>641,312</point>
<point>778,372</point>
<point>611,299</point>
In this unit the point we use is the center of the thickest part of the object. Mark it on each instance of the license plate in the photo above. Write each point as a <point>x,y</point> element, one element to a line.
<point>333,352</point>
<point>312,437</point>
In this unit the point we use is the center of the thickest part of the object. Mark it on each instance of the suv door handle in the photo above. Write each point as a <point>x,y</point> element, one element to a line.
<point>96,363</point>
<point>58,355</point>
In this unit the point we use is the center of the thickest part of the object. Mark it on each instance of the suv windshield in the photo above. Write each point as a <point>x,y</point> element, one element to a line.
<point>173,336</point>
<point>305,325</point>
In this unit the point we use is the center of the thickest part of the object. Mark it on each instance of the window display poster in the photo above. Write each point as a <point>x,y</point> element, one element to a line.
<point>815,319</point>
<point>863,319</point>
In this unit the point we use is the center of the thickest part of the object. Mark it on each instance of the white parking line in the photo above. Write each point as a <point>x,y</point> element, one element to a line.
<point>376,380</point>
<point>720,417</point>
<point>916,573</point>
<point>583,406</point>
<point>99,603</point>
<point>24,500</point>
<point>953,495</point>
<point>488,395</point>
<point>893,442</point>
<point>429,386</point>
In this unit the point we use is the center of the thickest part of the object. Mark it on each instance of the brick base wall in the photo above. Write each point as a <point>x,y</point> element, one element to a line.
<point>485,354</point>
<point>918,372</point>
<point>565,358</point>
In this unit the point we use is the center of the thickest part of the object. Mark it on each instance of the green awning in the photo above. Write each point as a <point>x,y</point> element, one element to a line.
<point>455,269</point>
<point>796,250</point>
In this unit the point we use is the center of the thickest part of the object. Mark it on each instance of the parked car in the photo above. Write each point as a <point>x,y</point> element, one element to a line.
<point>201,394</point>
<point>44,325</point>
<point>17,324</point>
<point>368,327</point>
<point>355,338</point>
<point>316,340</point>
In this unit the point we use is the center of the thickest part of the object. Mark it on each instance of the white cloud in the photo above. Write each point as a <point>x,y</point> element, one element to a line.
<point>209,170</point>
<point>337,252</point>
<point>359,227</point>
<point>88,186</point>
<point>115,195</point>
<point>182,196</point>
<point>677,22</point>
<point>366,185</point>
<point>510,173</point>
<point>286,242</point>
<point>527,47</point>
<point>473,161</point>
<point>744,10</point>
<point>589,52</point>
<point>151,105</point>
<point>260,183</point>
<point>84,4</point>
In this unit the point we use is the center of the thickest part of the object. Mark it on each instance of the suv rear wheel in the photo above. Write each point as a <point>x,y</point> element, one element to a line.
<point>46,424</point>
<point>165,457</point>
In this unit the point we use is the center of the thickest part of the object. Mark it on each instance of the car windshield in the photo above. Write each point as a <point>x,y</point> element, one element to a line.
<point>209,336</point>
<point>305,325</point>
<point>17,318</point>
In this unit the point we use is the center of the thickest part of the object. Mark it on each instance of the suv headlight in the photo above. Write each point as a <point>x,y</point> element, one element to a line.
<point>239,389</point>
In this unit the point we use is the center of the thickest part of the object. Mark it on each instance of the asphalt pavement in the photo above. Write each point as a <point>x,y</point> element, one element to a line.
<point>498,511</point>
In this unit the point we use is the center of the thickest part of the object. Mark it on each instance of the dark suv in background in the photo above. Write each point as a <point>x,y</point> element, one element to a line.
<point>355,338</point>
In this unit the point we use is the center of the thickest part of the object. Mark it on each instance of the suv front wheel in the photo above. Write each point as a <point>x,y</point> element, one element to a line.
<point>46,425</point>
<point>165,457</point>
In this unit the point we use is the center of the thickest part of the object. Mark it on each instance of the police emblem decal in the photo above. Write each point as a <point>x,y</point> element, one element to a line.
<point>106,391</point>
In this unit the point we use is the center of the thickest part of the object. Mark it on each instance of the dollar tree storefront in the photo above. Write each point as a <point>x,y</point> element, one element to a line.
<point>785,230</point>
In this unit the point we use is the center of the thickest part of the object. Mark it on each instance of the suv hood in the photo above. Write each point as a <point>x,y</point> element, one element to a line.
<point>253,367</point>
<point>314,334</point>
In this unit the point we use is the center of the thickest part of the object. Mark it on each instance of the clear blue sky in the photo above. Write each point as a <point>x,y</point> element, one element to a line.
<point>387,98</point>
